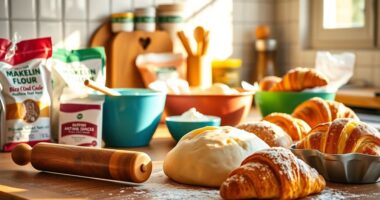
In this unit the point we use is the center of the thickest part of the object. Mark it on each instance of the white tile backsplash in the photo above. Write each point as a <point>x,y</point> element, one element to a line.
<point>4,30</point>
<point>75,9</point>
<point>50,9</point>
<point>53,29</point>
<point>4,9</point>
<point>71,23</point>
<point>158,2</point>
<point>142,3</point>
<point>75,35</point>
<point>121,6</point>
<point>98,9</point>
<point>25,29</point>
<point>238,8</point>
<point>377,76</point>
<point>92,27</point>
<point>23,9</point>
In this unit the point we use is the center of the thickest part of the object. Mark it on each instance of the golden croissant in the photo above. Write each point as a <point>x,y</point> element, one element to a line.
<point>299,79</point>
<point>272,134</point>
<point>268,82</point>
<point>316,110</point>
<point>343,136</point>
<point>273,173</point>
<point>296,128</point>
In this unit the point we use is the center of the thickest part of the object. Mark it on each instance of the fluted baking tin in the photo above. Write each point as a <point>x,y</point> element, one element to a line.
<point>343,168</point>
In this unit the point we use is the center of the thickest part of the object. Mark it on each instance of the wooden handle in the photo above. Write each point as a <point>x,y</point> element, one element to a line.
<point>103,89</point>
<point>185,42</point>
<point>84,161</point>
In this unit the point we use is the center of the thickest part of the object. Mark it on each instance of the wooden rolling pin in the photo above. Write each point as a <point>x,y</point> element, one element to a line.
<point>120,165</point>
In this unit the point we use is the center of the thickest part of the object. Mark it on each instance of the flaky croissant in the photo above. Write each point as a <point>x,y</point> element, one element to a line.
<point>299,79</point>
<point>343,136</point>
<point>272,134</point>
<point>296,128</point>
<point>268,82</point>
<point>316,110</point>
<point>273,173</point>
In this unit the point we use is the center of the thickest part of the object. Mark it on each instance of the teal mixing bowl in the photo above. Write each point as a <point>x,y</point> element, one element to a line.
<point>285,102</point>
<point>131,119</point>
<point>178,128</point>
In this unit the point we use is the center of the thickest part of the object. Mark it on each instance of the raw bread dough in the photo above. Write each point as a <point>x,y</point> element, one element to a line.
<point>207,155</point>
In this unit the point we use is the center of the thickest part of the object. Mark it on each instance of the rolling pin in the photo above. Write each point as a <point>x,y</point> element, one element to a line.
<point>119,165</point>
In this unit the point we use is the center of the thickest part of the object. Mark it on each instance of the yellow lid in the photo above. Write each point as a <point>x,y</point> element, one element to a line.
<point>119,15</point>
<point>228,63</point>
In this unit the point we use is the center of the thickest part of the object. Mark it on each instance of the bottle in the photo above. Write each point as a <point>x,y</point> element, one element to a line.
<point>265,54</point>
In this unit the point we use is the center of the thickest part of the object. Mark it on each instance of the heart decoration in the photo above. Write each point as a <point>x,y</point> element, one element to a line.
<point>144,42</point>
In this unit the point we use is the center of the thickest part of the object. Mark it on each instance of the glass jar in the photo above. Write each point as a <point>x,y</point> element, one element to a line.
<point>226,71</point>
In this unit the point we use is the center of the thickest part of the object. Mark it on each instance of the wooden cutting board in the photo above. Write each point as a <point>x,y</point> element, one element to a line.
<point>123,48</point>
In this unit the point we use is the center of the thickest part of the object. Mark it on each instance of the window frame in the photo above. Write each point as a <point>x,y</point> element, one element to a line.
<point>343,38</point>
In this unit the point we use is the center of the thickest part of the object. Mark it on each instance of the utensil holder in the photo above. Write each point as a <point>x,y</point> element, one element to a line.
<point>199,72</point>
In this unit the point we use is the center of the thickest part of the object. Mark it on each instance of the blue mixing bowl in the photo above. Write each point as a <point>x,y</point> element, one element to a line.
<point>131,119</point>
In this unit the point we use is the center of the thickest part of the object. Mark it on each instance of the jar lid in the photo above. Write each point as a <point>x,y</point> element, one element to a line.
<point>170,7</point>
<point>119,15</point>
<point>228,63</point>
<point>148,11</point>
<point>266,45</point>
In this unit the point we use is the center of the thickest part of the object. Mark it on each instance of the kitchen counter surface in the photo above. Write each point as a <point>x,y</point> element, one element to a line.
<point>24,182</point>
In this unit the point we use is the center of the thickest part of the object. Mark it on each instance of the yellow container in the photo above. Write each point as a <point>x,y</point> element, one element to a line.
<point>226,71</point>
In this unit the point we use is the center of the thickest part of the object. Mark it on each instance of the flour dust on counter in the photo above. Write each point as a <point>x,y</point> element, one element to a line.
<point>167,189</point>
<point>25,85</point>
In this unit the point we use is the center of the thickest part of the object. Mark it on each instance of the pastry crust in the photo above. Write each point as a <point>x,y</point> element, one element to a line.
<point>272,134</point>
<point>295,128</point>
<point>268,82</point>
<point>273,173</point>
<point>317,110</point>
<point>343,136</point>
<point>299,79</point>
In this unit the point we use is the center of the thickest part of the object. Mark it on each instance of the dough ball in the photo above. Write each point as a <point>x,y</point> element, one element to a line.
<point>207,155</point>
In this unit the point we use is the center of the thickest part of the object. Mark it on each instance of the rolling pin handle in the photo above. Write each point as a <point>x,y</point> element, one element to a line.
<point>21,154</point>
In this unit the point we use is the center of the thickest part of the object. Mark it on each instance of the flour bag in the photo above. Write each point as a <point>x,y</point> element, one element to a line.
<point>70,69</point>
<point>25,85</point>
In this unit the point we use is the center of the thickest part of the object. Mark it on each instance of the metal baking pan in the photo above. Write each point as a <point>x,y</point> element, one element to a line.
<point>342,168</point>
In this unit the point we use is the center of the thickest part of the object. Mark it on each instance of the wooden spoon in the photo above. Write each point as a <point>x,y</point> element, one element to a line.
<point>100,88</point>
<point>199,34</point>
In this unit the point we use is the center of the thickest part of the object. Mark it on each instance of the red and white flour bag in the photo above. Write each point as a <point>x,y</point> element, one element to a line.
<point>25,85</point>
<point>80,118</point>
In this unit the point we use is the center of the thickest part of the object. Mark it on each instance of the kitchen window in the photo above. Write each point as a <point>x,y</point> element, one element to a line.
<point>343,24</point>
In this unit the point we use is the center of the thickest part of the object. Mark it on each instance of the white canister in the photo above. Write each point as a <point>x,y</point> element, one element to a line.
<point>122,22</point>
<point>170,19</point>
<point>145,19</point>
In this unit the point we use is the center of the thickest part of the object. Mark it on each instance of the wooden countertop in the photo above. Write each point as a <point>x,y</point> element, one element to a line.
<point>24,182</point>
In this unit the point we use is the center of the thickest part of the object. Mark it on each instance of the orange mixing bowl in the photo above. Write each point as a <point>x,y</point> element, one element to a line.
<point>232,109</point>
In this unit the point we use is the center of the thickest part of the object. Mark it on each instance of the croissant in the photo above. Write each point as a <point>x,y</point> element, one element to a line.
<point>267,82</point>
<point>296,128</point>
<point>272,134</point>
<point>299,79</point>
<point>273,173</point>
<point>343,136</point>
<point>316,110</point>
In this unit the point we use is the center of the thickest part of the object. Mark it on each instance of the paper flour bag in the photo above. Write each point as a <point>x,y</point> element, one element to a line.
<point>25,92</point>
